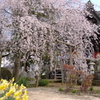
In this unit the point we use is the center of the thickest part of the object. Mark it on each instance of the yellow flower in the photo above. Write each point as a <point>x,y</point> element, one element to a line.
<point>25,97</point>
<point>17,93</point>
<point>9,93</point>
<point>1,80</point>
<point>12,90</point>
<point>17,98</point>
<point>13,79</point>
<point>25,91</point>
<point>3,87</point>
<point>16,85</point>
<point>4,84</point>
<point>11,84</point>
<point>4,81</point>
<point>22,87</point>
<point>2,98</point>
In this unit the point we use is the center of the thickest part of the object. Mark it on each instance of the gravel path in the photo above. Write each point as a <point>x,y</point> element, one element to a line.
<point>52,93</point>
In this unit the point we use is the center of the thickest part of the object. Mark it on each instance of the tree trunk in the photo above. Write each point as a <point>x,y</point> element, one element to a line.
<point>37,76</point>
<point>25,67</point>
<point>0,62</point>
<point>37,80</point>
<point>17,66</point>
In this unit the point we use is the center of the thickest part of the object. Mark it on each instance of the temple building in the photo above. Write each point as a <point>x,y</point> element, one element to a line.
<point>94,18</point>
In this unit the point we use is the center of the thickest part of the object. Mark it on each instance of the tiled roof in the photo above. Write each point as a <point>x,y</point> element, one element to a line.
<point>98,13</point>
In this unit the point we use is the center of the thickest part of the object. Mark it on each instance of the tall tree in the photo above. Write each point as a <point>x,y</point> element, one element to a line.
<point>38,26</point>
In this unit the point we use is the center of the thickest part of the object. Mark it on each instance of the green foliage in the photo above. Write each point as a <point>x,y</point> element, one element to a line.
<point>43,82</point>
<point>97,91</point>
<point>86,82</point>
<point>22,80</point>
<point>11,91</point>
<point>10,98</point>
<point>91,88</point>
<point>30,86</point>
<point>61,89</point>
<point>74,91</point>
<point>5,74</point>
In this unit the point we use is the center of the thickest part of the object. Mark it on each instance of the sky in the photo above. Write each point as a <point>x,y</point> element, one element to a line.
<point>96,4</point>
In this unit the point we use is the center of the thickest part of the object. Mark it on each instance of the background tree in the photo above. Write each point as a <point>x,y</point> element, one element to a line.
<point>38,25</point>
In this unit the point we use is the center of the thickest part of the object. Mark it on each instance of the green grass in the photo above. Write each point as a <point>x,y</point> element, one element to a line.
<point>98,91</point>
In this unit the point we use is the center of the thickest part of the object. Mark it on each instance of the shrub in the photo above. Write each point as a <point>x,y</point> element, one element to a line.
<point>86,82</point>
<point>74,91</point>
<point>5,74</point>
<point>11,91</point>
<point>22,80</point>
<point>74,75</point>
<point>43,82</point>
<point>91,88</point>
<point>61,89</point>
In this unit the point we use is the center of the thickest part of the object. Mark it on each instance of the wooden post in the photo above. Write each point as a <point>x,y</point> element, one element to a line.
<point>0,62</point>
<point>62,71</point>
<point>70,46</point>
<point>71,63</point>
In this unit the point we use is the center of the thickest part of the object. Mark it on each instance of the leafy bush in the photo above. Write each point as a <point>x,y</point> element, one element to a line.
<point>5,74</point>
<point>11,91</point>
<point>86,82</point>
<point>22,80</point>
<point>61,89</point>
<point>74,75</point>
<point>74,91</point>
<point>43,82</point>
<point>91,88</point>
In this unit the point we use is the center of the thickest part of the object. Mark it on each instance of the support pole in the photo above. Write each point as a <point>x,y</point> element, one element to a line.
<point>71,63</point>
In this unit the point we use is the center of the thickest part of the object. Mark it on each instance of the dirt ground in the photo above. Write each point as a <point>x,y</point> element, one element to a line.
<point>51,93</point>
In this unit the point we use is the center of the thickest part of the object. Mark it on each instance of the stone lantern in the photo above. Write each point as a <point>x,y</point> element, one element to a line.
<point>98,59</point>
<point>91,65</point>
